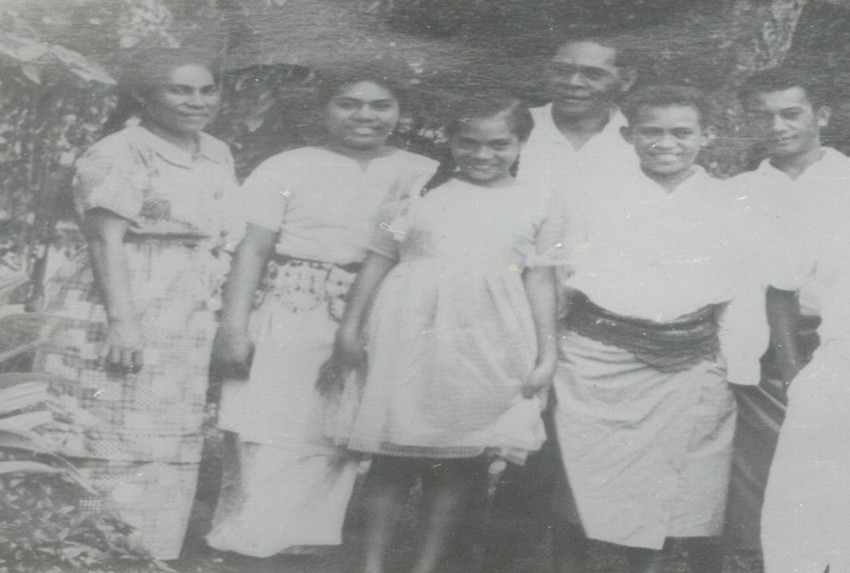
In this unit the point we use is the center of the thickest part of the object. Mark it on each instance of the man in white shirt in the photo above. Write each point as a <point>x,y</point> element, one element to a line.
<point>578,132</point>
<point>788,114</point>
<point>645,415</point>
<point>805,517</point>
<point>580,128</point>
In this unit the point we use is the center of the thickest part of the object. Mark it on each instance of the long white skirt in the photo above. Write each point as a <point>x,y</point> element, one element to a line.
<point>292,485</point>
<point>805,522</point>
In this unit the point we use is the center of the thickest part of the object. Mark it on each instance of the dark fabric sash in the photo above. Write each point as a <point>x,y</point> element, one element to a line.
<point>667,346</point>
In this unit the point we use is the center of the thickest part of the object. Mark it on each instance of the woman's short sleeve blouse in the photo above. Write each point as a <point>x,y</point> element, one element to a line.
<point>324,205</point>
<point>159,188</point>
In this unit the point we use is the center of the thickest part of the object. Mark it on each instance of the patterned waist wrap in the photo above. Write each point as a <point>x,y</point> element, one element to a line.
<point>667,346</point>
<point>302,285</point>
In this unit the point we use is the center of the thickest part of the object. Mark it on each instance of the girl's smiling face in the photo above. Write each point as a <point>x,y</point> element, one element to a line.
<point>485,149</point>
<point>361,115</point>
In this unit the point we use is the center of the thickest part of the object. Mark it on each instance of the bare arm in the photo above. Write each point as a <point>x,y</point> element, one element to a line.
<point>783,315</point>
<point>232,346</point>
<point>540,288</point>
<point>104,232</point>
<point>348,350</point>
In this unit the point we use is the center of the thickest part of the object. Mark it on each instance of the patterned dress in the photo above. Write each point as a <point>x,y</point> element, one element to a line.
<point>451,334</point>
<point>138,438</point>
<point>288,485</point>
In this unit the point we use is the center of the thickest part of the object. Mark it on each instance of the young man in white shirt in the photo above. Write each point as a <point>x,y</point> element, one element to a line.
<point>645,415</point>
<point>787,114</point>
<point>805,519</point>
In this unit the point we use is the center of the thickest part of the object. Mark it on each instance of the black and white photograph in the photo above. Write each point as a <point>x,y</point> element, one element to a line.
<point>424,286</point>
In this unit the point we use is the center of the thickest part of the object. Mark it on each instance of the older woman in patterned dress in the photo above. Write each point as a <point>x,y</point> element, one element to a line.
<point>132,322</point>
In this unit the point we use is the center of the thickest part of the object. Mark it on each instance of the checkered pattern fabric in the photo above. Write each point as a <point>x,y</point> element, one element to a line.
<point>153,497</point>
<point>136,438</point>
<point>155,415</point>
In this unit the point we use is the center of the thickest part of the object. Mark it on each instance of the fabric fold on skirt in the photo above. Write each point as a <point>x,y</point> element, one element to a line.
<point>647,452</point>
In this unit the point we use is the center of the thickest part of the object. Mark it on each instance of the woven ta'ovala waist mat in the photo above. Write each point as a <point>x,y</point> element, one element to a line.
<point>666,346</point>
<point>302,285</point>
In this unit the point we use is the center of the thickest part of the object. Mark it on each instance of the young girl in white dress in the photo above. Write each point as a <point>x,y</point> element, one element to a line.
<point>310,213</point>
<point>461,286</point>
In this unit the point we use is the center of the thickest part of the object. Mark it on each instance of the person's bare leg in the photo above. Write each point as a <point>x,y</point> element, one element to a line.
<point>447,490</point>
<point>643,560</point>
<point>520,512</point>
<point>386,488</point>
<point>704,554</point>
<point>569,548</point>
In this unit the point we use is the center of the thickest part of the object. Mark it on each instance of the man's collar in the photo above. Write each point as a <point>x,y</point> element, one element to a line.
<point>831,159</point>
<point>544,119</point>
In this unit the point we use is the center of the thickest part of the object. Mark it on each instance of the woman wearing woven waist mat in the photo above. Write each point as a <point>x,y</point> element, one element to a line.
<point>645,416</point>
<point>311,213</point>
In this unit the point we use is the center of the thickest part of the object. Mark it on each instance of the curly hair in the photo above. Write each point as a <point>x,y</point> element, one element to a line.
<point>144,71</point>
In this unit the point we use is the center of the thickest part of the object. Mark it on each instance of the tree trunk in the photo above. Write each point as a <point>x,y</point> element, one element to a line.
<point>762,33</point>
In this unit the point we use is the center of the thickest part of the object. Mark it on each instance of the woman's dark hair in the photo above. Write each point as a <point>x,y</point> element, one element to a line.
<point>482,106</point>
<point>390,74</point>
<point>146,70</point>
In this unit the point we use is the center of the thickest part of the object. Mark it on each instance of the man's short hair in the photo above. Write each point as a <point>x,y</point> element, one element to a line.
<point>665,95</point>
<point>619,43</point>
<point>783,78</point>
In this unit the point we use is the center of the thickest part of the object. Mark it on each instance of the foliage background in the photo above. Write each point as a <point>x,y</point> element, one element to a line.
<point>55,56</point>
<point>56,59</point>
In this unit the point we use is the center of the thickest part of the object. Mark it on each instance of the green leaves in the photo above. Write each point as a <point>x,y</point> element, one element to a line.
<point>43,528</point>
<point>16,467</point>
<point>33,56</point>
<point>79,65</point>
<point>32,445</point>
<point>22,49</point>
<point>44,522</point>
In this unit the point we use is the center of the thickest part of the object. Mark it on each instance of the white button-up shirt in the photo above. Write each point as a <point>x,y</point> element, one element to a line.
<point>643,252</point>
<point>549,157</point>
<point>815,241</point>
<point>776,202</point>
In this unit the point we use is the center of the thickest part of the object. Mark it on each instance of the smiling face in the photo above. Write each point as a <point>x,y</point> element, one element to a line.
<point>667,139</point>
<point>787,121</point>
<point>183,104</point>
<point>361,116</point>
<point>485,149</point>
<point>583,79</point>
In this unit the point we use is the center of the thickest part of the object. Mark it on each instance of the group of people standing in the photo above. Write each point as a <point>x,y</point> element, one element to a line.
<point>567,290</point>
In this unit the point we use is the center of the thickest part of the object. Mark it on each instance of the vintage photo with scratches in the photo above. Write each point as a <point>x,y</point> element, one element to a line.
<point>424,286</point>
